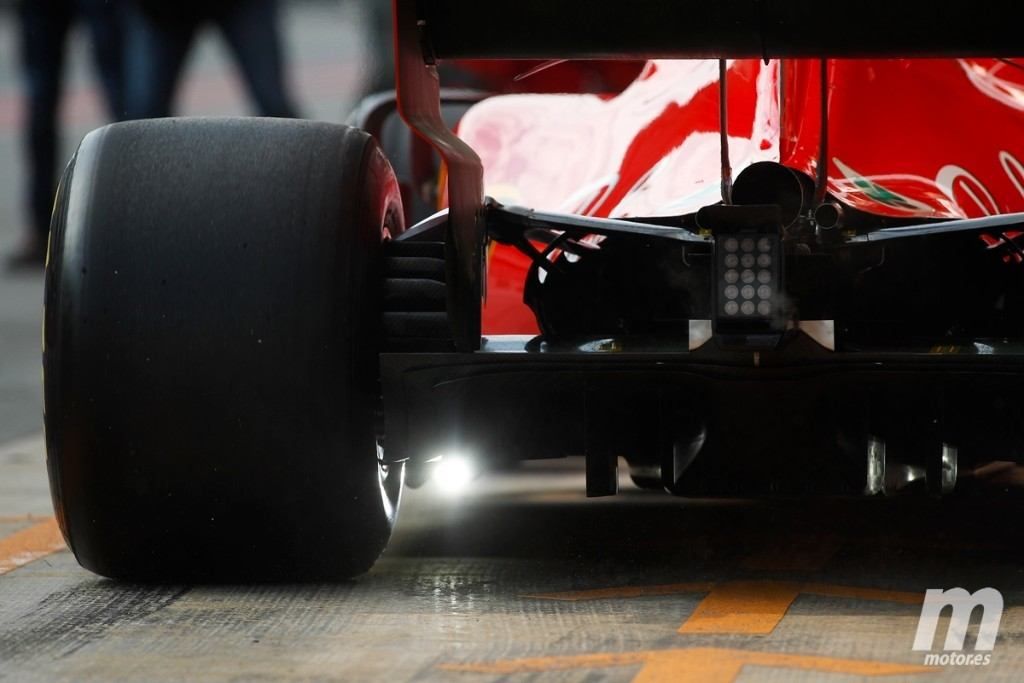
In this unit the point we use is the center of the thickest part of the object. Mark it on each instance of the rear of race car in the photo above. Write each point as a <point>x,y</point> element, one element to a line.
<point>787,265</point>
<point>828,321</point>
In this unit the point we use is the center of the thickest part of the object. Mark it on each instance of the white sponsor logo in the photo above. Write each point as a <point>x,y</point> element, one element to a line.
<point>963,605</point>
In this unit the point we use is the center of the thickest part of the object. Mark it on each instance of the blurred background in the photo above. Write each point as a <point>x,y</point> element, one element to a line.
<point>327,62</point>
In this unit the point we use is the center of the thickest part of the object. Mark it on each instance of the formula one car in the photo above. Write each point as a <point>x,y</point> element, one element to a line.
<point>246,347</point>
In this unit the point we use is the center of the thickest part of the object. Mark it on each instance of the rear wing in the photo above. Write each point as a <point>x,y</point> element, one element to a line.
<point>701,29</point>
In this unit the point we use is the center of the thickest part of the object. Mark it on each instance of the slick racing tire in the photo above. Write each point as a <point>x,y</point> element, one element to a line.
<point>211,330</point>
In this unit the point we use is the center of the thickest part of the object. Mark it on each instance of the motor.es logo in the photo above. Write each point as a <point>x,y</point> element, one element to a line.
<point>963,605</point>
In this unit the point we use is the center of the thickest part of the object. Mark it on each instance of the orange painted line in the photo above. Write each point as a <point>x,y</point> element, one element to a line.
<point>737,607</point>
<point>757,607</point>
<point>742,607</point>
<point>833,665</point>
<point>21,518</point>
<point>22,547</point>
<point>626,592</point>
<point>708,665</point>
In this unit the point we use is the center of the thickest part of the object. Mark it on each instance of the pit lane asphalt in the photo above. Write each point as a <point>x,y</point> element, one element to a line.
<point>524,579</point>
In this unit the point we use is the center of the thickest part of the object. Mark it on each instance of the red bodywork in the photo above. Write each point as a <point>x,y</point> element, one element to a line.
<point>907,138</point>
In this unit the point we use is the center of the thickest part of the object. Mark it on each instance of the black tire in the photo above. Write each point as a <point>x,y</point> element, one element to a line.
<point>212,320</point>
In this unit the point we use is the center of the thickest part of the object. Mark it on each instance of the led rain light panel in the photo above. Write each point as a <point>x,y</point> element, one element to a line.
<point>748,276</point>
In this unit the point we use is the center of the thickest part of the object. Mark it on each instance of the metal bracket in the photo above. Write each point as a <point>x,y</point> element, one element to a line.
<point>419,104</point>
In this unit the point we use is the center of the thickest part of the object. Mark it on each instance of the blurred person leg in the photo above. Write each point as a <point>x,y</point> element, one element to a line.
<point>44,29</point>
<point>156,40</point>
<point>251,29</point>
<point>103,19</point>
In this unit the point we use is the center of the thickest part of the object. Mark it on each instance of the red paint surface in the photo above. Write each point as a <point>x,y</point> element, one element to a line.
<point>919,138</point>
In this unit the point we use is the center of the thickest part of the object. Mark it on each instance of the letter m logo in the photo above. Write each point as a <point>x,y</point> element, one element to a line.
<point>963,604</point>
